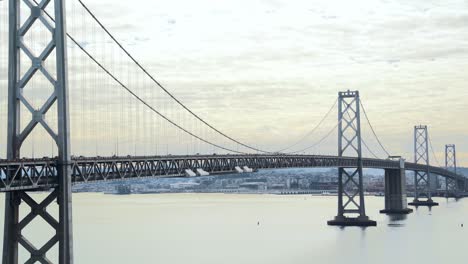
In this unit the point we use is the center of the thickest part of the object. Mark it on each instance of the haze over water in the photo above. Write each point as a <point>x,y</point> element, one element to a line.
<point>248,229</point>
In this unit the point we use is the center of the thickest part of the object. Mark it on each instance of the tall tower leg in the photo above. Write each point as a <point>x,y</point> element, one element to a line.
<point>10,241</point>
<point>350,183</point>
<point>17,82</point>
<point>452,186</point>
<point>422,179</point>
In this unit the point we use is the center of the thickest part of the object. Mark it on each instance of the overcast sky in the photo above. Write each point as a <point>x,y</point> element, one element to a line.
<point>266,71</point>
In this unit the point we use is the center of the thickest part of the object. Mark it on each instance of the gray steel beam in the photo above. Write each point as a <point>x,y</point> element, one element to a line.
<point>18,179</point>
<point>42,173</point>
<point>65,230</point>
<point>12,202</point>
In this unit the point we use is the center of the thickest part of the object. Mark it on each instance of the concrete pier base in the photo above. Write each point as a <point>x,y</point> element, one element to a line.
<point>429,202</point>
<point>396,211</point>
<point>395,191</point>
<point>351,221</point>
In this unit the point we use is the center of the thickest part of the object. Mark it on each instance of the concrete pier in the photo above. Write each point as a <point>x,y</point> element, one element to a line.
<point>428,202</point>
<point>395,192</point>
<point>352,221</point>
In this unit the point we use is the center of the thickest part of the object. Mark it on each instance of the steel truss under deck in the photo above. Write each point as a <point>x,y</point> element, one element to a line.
<point>42,173</point>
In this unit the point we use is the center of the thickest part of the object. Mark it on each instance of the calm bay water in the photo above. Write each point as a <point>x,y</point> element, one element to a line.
<point>231,228</point>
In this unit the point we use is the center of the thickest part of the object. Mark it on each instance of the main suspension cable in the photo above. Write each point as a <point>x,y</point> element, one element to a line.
<point>147,104</point>
<point>372,129</point>
<point>311,131</point>
<point>368,149</point>
<point>317,142</point>
<point>161,86</point>
<point>139,98</point>
<point>433,152</point>
<point>362,140</point>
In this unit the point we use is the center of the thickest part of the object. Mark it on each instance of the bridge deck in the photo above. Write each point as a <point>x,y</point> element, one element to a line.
<point>29,174</point>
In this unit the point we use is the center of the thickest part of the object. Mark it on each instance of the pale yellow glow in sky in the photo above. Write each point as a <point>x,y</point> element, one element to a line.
<point>266,71</point>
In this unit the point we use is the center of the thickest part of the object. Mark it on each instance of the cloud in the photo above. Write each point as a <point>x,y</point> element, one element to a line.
<point>276,67</point>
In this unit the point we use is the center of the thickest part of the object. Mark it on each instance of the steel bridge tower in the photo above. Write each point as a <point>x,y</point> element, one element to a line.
<point>17,83</point>
<point>350,182</point>
<point>451,185</point>
<point>422,179</point>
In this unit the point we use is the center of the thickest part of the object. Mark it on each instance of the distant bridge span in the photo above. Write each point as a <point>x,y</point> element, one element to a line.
<point>30,174</point>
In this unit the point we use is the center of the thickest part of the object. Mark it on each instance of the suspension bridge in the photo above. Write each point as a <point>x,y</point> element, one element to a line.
<point>71,82</point>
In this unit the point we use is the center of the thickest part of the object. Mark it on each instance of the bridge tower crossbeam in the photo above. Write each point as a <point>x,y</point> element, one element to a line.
<point>350,182</point>
<point>17,83</point>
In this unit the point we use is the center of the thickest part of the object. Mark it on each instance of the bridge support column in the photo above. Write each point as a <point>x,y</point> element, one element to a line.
<point>16,226</point>
<point>422,179</point>
<point>395,191</point>
<point>452,186</point>
<point>17,133</point>
<point>350,182</point>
